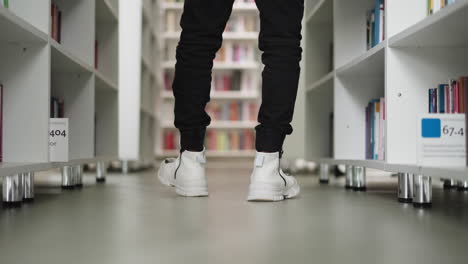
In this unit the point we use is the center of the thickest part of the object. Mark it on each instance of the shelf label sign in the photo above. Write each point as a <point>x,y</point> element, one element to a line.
<point>441,140</point>
<point>58,139</point>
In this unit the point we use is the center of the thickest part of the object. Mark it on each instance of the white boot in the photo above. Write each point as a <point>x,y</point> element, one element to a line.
<point>268,182</point>
<point>186,174</point>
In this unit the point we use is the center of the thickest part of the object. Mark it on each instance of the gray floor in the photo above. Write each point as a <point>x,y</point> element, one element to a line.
<point>133,219</point>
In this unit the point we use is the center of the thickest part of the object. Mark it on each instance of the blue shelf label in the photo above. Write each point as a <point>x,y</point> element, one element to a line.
<point>431,128</point>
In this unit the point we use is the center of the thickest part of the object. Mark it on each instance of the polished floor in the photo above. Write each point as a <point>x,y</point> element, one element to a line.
<point>134,219</point>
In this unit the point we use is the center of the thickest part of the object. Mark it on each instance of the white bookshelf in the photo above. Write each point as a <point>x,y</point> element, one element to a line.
<point>168,41</point>
<point>35,67</point>
<point>419,52</point>
<point>139,66</point>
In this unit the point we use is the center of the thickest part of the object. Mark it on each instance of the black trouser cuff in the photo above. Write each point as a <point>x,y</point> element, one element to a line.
<point>192,140</point>
<point>269,141</point>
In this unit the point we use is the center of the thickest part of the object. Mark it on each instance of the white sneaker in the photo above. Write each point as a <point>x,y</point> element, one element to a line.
<point>268,182</point>
<point>186,174</point>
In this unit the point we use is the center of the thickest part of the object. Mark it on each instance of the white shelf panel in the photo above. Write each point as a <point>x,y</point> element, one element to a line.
<point>8,169</point>
<point>229,95</point>
<point>147,111</point>
<point>169,124</point>
<point>322,82</point>
<point>446,28</point>
<point>458,173</point>
<point>226,36</point>
<point>237,7</point>
<point>102,82</point>
<point>368,64</point>
<point>64,61</point>
<point>16,30</point>
<point>105,11</point>
<point>221,65</point>
<point>321,12</point>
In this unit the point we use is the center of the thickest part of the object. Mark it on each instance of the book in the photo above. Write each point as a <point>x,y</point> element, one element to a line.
<point>465,102</point>
<point>375,116</point>
<point>375,24</point>
<point>56,23</point>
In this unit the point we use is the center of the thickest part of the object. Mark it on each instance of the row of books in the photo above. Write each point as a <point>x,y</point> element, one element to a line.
<point>375,129</point>
<point>215,140</point>
<point>237,23</point>
<point>433,6</point>
<point>224,81</point>
<point>232,111</point>
<point>376,24</point>
<point>235,52</point>
<point>56,23</point>
<point>5,4</point>
<point>242,23</point>
<point>230,140</point>
<point>449,98</point>
<point>57,107</point>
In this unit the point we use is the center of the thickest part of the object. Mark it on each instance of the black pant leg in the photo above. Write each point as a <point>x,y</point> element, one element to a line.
<point>203,23</point>
<point>279,40</point>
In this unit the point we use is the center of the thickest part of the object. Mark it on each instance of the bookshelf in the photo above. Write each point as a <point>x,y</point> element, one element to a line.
<point>418,52</point>
<point>247,92</point>
<point>36,66</point>
<point>139,64</point>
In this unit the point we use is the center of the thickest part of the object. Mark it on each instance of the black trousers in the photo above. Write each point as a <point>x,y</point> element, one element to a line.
<point>203,23</point>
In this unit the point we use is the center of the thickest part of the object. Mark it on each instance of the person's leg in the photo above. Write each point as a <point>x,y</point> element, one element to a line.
<point>280,39</point>
<point>203,23</point>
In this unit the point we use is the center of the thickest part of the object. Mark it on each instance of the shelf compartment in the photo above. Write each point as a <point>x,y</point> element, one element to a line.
<point>25,75</point>
<point>107,41</point>
<point>414,72</point>
<point>105,11</point>
<point>78,29</point>
<point>371,63</point>
<point>103,83</point>
<point>106,122</point>
<point>446,28</point>
<point>36,13</point>
<point>319,54</point>
<point>319,123</point>
<point>321,12</point>
<point>78,92</point>
<point>65,62</point>
<point>325,81</point>
<point>353,94</point>
<point>16,30</point>
<point>350,29</point>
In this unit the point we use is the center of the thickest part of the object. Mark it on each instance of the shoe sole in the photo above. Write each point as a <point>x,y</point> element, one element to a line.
<point>184,191</point>
<point>266,194</point>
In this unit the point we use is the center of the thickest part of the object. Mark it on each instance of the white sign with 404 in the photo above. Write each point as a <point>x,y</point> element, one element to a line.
<point>58,139</point>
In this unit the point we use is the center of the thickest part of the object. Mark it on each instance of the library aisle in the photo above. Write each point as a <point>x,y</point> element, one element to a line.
<point>134,219</point>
